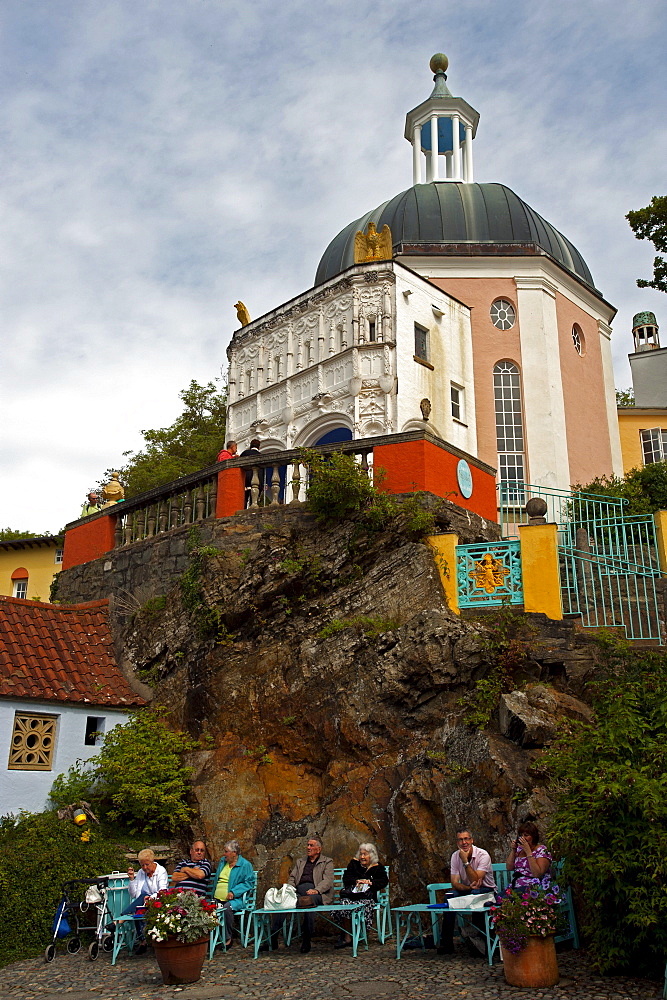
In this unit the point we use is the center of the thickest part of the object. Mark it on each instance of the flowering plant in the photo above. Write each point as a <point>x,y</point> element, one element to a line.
<point>530,909</point>
<point>179,913</point>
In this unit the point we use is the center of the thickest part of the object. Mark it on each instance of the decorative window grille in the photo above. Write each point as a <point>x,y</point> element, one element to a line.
<point>654,445</point>
<point>509,428</point>
<point>503,315</point>
<point>578,340</point>
<point>33,742</point>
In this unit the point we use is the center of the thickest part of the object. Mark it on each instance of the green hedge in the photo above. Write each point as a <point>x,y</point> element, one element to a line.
<point>38,852</point>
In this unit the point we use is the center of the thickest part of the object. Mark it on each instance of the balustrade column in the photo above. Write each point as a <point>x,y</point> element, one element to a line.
<point>296,482</point>
<point>435,172</point>
<point>275,485</point>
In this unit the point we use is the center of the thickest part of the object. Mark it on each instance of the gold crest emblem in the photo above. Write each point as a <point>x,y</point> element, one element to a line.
<point>372,245</point>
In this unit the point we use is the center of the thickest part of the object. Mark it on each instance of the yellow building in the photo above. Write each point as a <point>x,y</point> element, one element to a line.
<point>28,566</point>
<point>643,427</point>
<point>643,431</point>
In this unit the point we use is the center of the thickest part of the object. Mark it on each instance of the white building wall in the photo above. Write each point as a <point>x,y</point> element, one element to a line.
<point>330,358</point>
<point>449,353</point>
<point>24,789</point>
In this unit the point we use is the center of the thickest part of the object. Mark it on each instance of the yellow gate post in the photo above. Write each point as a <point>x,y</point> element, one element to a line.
<point>444,552</point>
<point>540,570</point>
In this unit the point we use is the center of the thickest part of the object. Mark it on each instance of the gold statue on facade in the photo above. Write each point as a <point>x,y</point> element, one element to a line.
<point>372,245</point>
<point>489,573</point>
<point>242,313</point>
<point>113,492</point>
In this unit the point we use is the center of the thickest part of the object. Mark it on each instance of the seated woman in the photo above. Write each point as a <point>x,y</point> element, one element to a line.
<point>364,877</point>
<point>147,882</point>
<point>529,860</point>
<point>235,877</point>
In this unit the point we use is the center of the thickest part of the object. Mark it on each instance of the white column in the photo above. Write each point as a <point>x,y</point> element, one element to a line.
<point>417,154</point>
<point>448,164</point>
<point>456,147</point>
<point>544,409</point>
<point>610,394</point>
<point>467,156</point>
<point>434,148</point>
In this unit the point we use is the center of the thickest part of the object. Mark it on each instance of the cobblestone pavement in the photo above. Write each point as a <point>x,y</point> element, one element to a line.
<point>324,974</point>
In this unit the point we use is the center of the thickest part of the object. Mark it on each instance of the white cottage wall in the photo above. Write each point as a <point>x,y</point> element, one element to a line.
<point>26,789</point>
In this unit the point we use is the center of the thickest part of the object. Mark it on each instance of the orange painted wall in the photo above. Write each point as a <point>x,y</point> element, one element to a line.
<point>231,492</point>
<point>89,541</point>
<point>489,346</point>
<point>420,465</point>
<point>586,423</point>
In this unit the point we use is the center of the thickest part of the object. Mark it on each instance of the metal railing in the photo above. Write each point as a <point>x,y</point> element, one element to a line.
<point>489,573</point>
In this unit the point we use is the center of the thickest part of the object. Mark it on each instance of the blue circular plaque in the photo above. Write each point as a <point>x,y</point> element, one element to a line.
<point>464,478</point>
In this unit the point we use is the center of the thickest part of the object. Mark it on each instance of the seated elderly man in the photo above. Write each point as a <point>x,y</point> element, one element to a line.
<point>193,872</point>
<point>148,881</point>
<point>311,876</point>
<point>471,872</point>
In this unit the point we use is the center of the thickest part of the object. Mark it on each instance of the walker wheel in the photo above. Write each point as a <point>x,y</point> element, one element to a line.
<point>83,906</point>
<point>49,953</point>
<point>107,942</point>
<point>74,945</point>
<point>93,950</point>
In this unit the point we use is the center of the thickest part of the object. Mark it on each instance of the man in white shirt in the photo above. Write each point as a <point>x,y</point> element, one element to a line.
<point>471,871</point>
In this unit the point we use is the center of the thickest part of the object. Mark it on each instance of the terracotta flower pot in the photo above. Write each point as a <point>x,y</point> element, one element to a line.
<point>535,966</point>
<point>180,963</point>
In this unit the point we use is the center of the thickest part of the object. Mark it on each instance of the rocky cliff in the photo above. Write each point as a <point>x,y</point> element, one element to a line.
<point>332,681</point>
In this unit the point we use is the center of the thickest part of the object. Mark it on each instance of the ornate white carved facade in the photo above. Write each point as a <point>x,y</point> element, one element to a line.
<point>342,355</point>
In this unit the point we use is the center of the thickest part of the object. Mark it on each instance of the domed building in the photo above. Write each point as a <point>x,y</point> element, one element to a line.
<point>453,306</point>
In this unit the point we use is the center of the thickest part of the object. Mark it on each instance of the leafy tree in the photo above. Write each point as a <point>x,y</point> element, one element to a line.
<point>610,775</point>
<point>645,489</point>
<point>650,223</point>
<point>191,443</point>
<point>625,397</point>
<point>138,779</point>
<point>11,534</point>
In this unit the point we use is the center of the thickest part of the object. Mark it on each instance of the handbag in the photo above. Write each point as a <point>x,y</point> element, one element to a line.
<point>283,898</point>
<point>303,902</point>
<point>474,901</point>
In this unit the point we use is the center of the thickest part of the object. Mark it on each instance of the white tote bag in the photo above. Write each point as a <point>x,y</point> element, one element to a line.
<point>283,898</point>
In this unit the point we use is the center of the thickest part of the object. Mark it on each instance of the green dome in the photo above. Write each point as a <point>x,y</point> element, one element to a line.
<point>458,219</point>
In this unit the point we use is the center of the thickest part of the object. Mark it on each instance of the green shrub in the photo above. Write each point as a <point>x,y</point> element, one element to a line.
<point>339,487</point>
<point>38,852</point>
<point>610,775</point>
<point>138,779</point>
<point>372,626</point>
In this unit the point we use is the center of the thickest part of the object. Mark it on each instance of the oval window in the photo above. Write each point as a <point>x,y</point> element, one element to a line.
<point>503,315</point>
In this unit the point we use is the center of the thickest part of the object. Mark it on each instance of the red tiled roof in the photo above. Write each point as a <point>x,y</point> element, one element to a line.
<point>60,652</point>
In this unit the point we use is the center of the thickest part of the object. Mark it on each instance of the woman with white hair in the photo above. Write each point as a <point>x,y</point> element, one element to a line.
<point>233,878</point>
<point>363,878</point>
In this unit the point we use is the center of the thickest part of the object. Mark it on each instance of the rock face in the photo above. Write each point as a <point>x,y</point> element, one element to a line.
<point>328,672</point>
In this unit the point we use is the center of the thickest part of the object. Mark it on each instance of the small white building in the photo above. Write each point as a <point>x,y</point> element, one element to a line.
<point>60,692</point>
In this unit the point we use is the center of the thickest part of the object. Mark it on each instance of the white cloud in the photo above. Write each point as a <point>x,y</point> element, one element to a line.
<point>163,159</point>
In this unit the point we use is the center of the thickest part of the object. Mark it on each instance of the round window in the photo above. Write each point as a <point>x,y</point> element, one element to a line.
<point>502,314</point>
<point>578,340</point>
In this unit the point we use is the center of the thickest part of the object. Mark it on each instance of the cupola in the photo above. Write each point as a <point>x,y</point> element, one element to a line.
<point>442,126</point>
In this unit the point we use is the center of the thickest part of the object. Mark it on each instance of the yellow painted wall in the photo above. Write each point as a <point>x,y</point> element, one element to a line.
<point>40,561</point>
<point>540,570</point>
<point>444,551</point>
<point>631,421</point>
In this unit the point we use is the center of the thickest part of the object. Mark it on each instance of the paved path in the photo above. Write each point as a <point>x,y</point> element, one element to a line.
<point>324,974</point>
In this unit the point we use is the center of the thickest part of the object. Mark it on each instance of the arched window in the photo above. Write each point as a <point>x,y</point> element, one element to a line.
<point>509,427</point>
<point>20,582</point>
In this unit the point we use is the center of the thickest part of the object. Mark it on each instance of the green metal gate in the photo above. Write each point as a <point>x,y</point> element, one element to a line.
<point>608,562</point>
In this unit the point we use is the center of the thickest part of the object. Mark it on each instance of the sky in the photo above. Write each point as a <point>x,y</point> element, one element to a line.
<point>163,159</point>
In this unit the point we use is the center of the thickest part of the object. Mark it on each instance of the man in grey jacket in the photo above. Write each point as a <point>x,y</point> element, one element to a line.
<point>311,876</point>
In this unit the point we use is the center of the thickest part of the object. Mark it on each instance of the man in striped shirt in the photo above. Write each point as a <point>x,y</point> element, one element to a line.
<point>193,872</point>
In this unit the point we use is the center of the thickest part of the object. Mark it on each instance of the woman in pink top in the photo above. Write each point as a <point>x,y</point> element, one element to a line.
<point>529,860</point>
